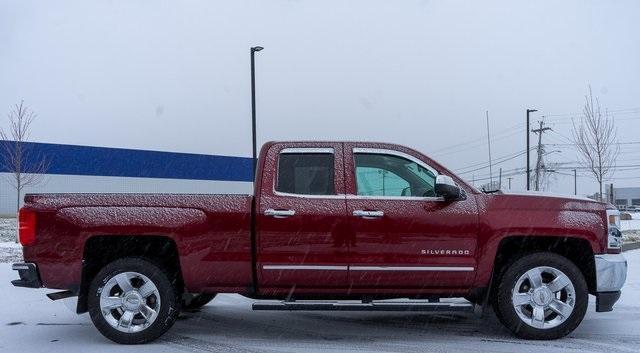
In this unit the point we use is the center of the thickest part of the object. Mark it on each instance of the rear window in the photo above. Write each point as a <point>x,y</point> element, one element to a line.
<point>306,173</point>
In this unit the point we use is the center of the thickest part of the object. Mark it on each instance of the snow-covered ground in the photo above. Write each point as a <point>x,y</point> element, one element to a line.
<point>10,251</point>
<point>633,223</point>
<point>29,322</point>
<point>7,229</point>
<point>631,228</point>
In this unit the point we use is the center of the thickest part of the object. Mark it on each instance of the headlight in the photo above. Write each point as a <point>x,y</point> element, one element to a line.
<point>614,238</point>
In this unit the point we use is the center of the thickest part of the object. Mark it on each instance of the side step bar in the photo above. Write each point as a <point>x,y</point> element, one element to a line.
<point>371,306</point>
<point>61,295</point>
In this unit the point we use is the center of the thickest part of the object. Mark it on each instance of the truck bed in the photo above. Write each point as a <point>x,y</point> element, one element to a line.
<point>211,233</point>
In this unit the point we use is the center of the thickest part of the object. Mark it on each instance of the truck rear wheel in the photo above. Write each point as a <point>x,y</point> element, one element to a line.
<point>541,296</point>
<point>133,301</point>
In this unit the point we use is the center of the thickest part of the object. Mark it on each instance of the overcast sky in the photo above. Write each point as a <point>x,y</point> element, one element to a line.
<point>174,76</point>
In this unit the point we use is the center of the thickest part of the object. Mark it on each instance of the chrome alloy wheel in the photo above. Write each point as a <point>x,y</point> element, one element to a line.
<point>130,302</point>
<point>543,297</point>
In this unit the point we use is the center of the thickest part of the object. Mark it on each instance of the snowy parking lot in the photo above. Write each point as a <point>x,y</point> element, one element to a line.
<point>631,228</point>
<point>29,322</point>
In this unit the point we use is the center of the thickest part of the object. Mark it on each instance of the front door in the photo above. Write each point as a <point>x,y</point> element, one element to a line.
<point>405,235</point>
<point>302,219</point>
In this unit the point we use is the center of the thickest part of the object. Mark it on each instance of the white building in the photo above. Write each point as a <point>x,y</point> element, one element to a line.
<point>98,169</point>
<point>625,197</point>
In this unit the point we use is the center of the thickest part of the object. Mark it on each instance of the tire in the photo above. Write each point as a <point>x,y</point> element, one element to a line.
<point>150,308</point>
<point>196,301</point>
<point>517,285</point>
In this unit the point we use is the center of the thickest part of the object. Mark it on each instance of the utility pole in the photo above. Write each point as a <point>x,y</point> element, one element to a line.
<point>489,144</point>
<point>611,196</point>
<point>528,148</point>
<point>253,107</point>
<point>539,131</point>
<point>500,179</point>
<point>509,178</point>
<point>575,182</point>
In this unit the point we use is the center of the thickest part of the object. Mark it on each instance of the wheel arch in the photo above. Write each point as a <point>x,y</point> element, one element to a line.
<point>100,250</point>
<point>577,250</point>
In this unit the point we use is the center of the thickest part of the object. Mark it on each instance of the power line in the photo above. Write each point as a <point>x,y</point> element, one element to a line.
<point>577,144</point>
<point>566,121</point>
<point>494,163</point>
<point>615,167</point>
<point>486,176</point>
<point>515,172</point>
<point>480,139</point>
<point>625,178</point>
<point>563,136</point>
<point>504,175</point>
<point>617,111</point>
<point>471,144</point>
<point>495,159</point>
<point>627,167</point>
<point>477,142</point>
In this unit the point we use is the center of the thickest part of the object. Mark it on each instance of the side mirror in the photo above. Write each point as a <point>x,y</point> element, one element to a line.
<point>447,188</point>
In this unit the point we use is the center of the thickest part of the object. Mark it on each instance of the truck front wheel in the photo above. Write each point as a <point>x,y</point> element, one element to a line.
<point>133,301</point>
<point>541,296</point>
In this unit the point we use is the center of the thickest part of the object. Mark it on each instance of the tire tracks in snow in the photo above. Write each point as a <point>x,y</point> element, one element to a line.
<point>433,333</point>
<point>576,344</point>
<point>196,345</point>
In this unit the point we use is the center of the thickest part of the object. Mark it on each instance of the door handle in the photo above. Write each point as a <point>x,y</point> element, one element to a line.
<point>368,214</point>
<point>279,213</point>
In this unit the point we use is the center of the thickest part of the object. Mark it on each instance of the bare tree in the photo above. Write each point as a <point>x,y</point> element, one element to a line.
<point>26,168</point>
<point>595,139</point>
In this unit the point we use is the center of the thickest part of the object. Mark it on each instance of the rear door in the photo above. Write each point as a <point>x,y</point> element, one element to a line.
<point>405,236</point>
<point>301,233</point>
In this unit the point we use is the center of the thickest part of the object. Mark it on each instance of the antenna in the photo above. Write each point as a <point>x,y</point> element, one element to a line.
<point>489,144</point>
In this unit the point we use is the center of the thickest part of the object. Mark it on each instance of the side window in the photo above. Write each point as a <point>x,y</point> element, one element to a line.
<point>306,173</point>
<point>379,182</point>
<point>389,175</point>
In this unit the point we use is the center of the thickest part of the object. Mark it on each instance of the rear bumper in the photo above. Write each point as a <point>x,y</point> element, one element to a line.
<point>611,273</point>
<point>29,276</point>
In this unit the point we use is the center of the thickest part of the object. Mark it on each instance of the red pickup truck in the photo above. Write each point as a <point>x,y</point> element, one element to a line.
<point>330,221</point>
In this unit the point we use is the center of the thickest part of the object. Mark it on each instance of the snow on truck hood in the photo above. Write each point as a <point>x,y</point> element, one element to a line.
<point>569,211</point>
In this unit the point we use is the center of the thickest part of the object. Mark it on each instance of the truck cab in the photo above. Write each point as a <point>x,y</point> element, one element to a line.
<point>361,218</point>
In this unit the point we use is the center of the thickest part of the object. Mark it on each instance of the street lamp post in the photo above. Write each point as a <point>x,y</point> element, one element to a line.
<point>253,106</point>
<point>528,149</point>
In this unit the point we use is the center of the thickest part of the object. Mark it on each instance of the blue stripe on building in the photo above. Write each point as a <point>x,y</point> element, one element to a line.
<point>121,162</point>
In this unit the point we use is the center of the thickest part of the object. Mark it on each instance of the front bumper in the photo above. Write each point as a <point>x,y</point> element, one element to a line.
<point>611,273</point>
<point>29,276</point>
